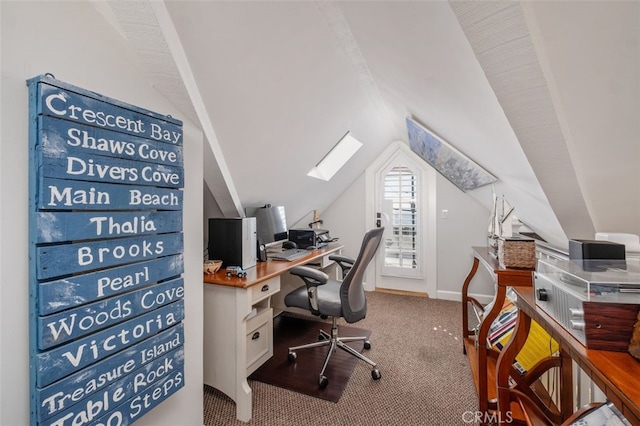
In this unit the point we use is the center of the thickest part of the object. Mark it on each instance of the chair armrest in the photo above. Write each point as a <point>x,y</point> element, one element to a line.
<point>345,263</point>
<point>340,258</point>
<point>312,277</point>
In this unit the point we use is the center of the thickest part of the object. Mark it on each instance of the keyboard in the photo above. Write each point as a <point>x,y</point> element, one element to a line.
<point>290,254</point>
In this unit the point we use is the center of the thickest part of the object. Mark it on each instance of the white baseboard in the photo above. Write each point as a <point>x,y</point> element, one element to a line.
<point>457,296</point>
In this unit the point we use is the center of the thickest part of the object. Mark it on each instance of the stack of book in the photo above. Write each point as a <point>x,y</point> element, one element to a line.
<point>539,344</point>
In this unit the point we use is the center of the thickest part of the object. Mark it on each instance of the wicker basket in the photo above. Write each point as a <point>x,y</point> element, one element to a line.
<point>516,252</point>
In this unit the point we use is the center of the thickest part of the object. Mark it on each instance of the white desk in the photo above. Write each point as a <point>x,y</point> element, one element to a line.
<point>238,324</point>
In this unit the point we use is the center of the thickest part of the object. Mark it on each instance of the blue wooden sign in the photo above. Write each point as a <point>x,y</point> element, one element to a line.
<point>76,290</point>
<point>101,403</point>
<point>55,227</point>
<point>57,99</point>
<point>106,257</point>
<point>59,328</point>
<point>63,138</point>
<point>57,260</point>
<point>59,194</point>
<point>142,403</point>
<point>95,168</point>
<point>64,393</point>
<point>64,360</point>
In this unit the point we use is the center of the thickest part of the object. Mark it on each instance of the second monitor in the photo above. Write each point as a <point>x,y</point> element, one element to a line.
<point>271,223</point>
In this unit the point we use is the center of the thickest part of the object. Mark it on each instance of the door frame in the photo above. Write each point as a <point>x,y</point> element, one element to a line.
<point>428,282</point>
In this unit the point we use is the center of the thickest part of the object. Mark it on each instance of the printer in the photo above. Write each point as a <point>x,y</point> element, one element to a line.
<point>305,238</point>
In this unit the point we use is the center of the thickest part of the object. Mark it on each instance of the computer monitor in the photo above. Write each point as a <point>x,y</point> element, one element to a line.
<point>271,223</point>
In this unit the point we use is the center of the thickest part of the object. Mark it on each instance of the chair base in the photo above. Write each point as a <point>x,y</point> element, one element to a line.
<point>333,341</point>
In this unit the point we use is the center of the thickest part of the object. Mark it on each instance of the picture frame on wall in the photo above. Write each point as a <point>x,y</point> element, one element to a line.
<point>459,169</point>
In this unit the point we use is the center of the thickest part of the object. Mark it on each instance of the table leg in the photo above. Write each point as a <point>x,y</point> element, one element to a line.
<point>465,304</point>
<point>505,361</point>
<point>243,401</point>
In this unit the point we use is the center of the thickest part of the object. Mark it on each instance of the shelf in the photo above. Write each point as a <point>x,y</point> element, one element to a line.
<point>472,356</point>
<point>530,415</point>
<point>483,363</point>
<point>492,393</point>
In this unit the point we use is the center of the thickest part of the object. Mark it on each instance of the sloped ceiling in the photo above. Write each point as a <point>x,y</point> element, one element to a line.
<point>590,54</point>
<point>276,84</point>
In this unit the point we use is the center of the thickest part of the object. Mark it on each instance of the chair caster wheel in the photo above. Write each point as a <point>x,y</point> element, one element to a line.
<point>323,382</point>
<point>367,344</point>
<point>292,356</point>
<point>375,374</point>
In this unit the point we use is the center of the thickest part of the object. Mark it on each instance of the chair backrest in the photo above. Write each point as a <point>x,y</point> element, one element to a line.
<point>352,297</point>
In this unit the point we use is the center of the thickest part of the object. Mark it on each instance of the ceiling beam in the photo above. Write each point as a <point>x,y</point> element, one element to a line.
<point>149,29</point>
<point>500,39</point>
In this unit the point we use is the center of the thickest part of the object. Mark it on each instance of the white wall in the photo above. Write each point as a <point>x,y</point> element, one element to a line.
<point>466,226</point>
<point>345,218</point>
<point>73,42</point>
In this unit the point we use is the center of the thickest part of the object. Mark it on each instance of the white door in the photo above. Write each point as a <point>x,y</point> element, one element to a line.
<point>403,194</point>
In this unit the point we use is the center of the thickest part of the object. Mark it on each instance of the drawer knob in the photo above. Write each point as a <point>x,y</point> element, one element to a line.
<point>255,335</point>
<point>265,287</point>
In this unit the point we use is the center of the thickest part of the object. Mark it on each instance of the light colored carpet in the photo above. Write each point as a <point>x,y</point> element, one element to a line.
<point>425,380</point>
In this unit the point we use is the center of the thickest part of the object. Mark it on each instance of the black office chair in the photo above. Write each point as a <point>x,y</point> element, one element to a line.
<point>331,298</point>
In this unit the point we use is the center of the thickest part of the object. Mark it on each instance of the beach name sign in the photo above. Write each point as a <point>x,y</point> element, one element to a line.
<point>106,257</point>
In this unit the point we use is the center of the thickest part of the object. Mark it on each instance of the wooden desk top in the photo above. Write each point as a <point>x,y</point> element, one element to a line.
<point>269,269</point>
<point>506,276</point>
<point>616,373</point>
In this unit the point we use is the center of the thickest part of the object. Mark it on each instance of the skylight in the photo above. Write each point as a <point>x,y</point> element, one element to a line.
<point>336,158</point>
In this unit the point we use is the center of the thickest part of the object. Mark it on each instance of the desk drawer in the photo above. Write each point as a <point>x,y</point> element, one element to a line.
<point>264,289</point>
<point>259,339</point>
<point>326,261</point>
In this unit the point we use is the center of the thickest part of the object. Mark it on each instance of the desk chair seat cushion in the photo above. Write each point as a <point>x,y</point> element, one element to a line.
<point>328,299</point>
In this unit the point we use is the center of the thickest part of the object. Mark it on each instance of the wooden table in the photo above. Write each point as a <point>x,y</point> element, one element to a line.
<point>617,374</point>
<point>238,324</point>
<point>264,271</point>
